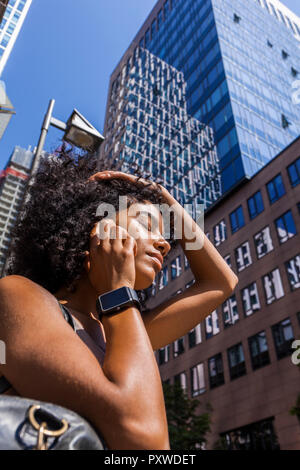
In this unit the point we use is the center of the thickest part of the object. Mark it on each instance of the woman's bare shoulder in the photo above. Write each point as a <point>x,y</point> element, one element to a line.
<point>17,286</point>
<point>20,296</point>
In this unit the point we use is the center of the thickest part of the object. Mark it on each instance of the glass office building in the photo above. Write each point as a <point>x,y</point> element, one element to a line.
<point>148,127</point>
<point>240,60</point>
<point>12,21</point>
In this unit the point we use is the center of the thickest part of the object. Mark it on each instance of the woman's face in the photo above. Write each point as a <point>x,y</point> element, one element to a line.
<point>144,222</point>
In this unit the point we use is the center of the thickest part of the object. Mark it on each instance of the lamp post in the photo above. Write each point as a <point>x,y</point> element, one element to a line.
<point>77,131</point>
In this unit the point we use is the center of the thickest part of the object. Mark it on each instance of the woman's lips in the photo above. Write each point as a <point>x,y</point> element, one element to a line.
<point>157,262</point>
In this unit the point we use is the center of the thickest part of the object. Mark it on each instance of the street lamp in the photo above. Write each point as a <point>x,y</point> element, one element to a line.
<point>77,131</point>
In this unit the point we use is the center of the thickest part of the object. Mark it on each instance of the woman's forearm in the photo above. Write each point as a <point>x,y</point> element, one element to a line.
<point>204,259</point>
<point>130,364</point>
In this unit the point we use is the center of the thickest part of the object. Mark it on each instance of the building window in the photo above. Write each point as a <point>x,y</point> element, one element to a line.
<point>293,272</point>
<point>263,242</point>
<point>186,263</point>
<point>11,28</point>
<point>21,5</point>
<point>228,260</point>
<point>243,256</point>
<point>197,380</point>
<point>180,379</point>
<point>151,291</point>
<point>153,29</point>
<point>298,315</point>
<point>236,18</point>
<point>285,55</point>
<point>212,325</point>
<point>275,189</point>
<point>189,284</point>
<point>298,205</point>
<point>294,173</point>
<point>159,18</point>
<point>273,286</point>
<point>286,227</point>
<point>294,72</point>
<point>179,346</point>
<point>269,44</point>
<point>237,219</point>
<point>255,205</point>
<point>256,436</point>
<point>284,121</point>
<point>259,353</point>
<point>220,233</point>
<point>236,360</point>
<point>230,311</point>
<point>163,278</point>
<point>283,337</point>
<point>250,299</point>
<point>5,40</point>
<point>175,268</point>
<point>215,370</point>
<point>195,336</point>
<point>164,355</point>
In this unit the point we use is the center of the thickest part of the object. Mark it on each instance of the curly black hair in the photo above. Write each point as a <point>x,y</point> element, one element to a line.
<point>53,228</point>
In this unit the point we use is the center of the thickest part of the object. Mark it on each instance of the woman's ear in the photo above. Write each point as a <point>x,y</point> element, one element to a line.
<point>87,262</point>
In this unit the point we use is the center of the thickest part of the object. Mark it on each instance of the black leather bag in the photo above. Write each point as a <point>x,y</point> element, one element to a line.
<point>27,424</point>
<point>34,425</point>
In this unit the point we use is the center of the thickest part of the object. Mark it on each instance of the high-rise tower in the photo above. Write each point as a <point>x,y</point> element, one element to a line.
<point>149,127</point>
<point>10,26</point>
<point>240,60</point>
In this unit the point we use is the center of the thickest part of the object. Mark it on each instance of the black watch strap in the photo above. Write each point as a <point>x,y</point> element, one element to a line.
<point>116,301</point>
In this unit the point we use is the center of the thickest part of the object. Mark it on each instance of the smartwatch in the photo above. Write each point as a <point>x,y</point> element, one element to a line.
<point>116,300</point>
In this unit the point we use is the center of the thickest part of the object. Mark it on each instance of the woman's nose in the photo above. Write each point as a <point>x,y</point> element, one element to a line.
<point>163,246</point>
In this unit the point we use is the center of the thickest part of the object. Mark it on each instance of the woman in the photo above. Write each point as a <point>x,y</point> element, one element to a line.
<point>57,258</point>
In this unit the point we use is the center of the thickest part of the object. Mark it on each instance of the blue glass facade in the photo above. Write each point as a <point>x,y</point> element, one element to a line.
<point>239,60</point>
<point>148,127</point>
<point>12,20</point>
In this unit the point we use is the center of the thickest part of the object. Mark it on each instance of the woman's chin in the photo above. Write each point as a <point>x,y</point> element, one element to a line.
<point>145,281</point>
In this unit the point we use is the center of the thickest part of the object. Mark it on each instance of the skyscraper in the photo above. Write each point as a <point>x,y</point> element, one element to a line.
<point>148,127</point>
<point>12,186</point>
<point>240,60</point>
<point>10,26</point>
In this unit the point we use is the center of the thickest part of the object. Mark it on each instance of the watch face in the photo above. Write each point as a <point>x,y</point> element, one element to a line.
<point>112,299</point>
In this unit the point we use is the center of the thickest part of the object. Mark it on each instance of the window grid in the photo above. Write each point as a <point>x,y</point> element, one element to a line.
<point>283,337</point>
<point>273,286</point>
<point>250,299</point>
<point>216,371</point>
<point>236,361</point>
<point>243,256</point>
<point>294,173</point>
<point>263,242</point>
<point>286,227</point>
<point>259,352</point>
<point>197,380</point>
<point>293,272</point>
<point>275,189</point>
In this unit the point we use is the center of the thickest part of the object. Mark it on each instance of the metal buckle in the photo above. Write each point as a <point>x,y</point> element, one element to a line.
<point>43,431</point>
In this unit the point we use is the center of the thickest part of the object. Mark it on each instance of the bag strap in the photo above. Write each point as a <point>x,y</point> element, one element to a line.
<point>4,384</point>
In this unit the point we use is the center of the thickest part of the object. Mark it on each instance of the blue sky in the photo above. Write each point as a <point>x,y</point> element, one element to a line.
<point>67,50</point>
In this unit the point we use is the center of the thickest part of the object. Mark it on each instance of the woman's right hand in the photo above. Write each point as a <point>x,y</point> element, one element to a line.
<point>110,263</point>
